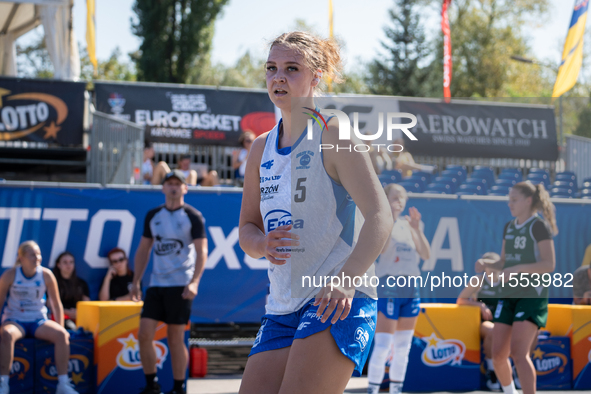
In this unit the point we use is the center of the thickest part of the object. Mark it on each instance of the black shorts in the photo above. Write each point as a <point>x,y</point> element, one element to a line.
<point>166,304</point>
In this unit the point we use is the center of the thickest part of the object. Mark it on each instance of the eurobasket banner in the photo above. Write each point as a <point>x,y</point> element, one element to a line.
<point>89,222</point>
<point>47,111</point>
<point>188,114</point>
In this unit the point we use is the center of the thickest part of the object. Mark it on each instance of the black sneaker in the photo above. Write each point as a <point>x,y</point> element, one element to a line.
<point>492,382</point>
<point>155,389</point>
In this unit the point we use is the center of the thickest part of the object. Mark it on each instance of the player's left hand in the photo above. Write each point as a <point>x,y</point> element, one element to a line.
<point>190,291</point>
<point>339,298</point>
<point>414,219</point>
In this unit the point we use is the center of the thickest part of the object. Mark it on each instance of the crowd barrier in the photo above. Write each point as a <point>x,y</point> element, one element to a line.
<point>446,347</point>
<point>89,220</point>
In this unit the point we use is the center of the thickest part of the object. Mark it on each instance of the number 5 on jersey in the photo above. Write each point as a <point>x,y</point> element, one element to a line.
<point>300,195</point>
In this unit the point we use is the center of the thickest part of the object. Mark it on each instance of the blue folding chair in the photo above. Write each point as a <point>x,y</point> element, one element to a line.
<point>539,178</point>
<point>539,171</point>
<point>503,190</point>
<point>395,175</point>
<point>587,180</point>
<point>484,173</point>
<point>478,182</point>
<point>561,192</point>
<point>505,182</point>
<point>439,188</point>
<point>511,175</point>
<point>566,176</point>
<point>420,180</point>
<point>471,189</point>
<point>458,167</point>
<point>585,193</point>
<point>586,185</point>
<point>452,181</point>
<point>456,173</point>
<point>427,177</point>
<point>411,186</point>
<point>565,185</point>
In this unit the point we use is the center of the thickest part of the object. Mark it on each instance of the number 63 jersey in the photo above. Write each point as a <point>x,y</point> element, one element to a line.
<point>295,189</point>
<point>521,247</point>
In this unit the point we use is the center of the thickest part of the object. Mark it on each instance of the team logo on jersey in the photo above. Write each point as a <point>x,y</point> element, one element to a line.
<point>362,337</point>
<point>305,159</point>
<point>440,352</point>
<point>76,367</point>
<point>129,355</point>
<point>19,368</point>
<point>546,363</point>
<point>280,217</point>
<point>167,246</point>
<point>267,164</point>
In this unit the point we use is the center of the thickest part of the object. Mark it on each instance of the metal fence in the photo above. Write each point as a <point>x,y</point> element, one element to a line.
<point>116,150</point>
<point>578,156</point>
<point>217,158</point>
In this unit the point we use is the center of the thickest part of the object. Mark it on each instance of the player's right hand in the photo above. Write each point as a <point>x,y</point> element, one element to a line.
<point>135,292</point>
<point>280,238</point>
<point>486,313</point>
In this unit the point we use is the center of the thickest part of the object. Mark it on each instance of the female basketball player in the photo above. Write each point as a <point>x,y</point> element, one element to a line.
<point>25,314</point>
<point>527,252</point>
<point>298,211</point>
<point>398,306</point>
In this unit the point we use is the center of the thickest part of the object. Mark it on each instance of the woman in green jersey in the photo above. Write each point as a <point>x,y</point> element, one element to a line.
<point>527,259</point>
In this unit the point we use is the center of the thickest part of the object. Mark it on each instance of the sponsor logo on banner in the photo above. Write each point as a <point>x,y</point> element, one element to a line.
<point>25,113</point>
<point>439,352</point>
<point>547,363</point>
<point>129,355</point>
<point>76,367</point>
<point>116,102</point>
<point>19,368</point>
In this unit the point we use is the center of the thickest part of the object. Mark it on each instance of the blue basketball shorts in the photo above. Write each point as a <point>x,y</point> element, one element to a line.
<point>29,327</point>
<point>353,335</point>
<point>395,302</point>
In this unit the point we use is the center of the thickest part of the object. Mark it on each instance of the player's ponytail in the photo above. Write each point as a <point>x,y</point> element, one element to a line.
<point>540,201</point>
<point>319,54</point>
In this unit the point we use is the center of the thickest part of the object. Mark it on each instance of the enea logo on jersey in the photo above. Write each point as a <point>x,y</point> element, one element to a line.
<point>128,357</point>
<point>280,217</point>
<point>166,246</point>
<point>439,352</point>
<point>546,363</point>
<point>76,367</point>
<point>25,113</point>
<point>19,368</point>
<point>305,158</point>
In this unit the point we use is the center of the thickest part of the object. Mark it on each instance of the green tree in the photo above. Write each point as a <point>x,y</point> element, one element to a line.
<point>399,72</point>
<point>32,61</point>
<point>484,34</point>
<point>112,69</point>
<point>176,37</point>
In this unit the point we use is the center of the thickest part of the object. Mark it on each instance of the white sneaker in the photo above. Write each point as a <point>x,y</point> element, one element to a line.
<point>63,388</point>
<point>4,387</point>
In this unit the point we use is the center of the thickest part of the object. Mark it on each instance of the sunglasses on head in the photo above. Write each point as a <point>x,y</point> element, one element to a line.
<point>119,260</point>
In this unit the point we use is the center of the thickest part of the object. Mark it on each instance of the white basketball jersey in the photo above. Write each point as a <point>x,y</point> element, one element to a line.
<point>26,297</point>
<point>295,189</point>
<point>400,257</point>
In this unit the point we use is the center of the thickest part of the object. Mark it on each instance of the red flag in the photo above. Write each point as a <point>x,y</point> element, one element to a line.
<point>446,50</point>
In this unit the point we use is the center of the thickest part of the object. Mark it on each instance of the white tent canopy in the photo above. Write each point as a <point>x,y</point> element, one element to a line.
<point>17,17</point>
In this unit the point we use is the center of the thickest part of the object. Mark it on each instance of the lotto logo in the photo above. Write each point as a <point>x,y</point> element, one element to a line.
<point>129,355</point>
<point>440,352</point>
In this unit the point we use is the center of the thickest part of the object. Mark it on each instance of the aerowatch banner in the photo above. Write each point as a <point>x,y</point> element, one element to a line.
<point>41,111</point>
<point>482,130</point>
<point>188,114</point>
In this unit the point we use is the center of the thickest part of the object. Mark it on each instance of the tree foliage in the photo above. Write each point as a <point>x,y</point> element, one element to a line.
<point>399,72</point>
<point>176,37</point>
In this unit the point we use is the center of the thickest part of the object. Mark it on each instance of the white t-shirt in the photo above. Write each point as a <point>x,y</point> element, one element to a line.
<point>400,257</point>
<point>242,158</point>
<point>147,169</point>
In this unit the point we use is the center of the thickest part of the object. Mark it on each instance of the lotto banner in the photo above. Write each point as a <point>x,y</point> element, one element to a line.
<point>446,348</point>
<point>188,114</point>
<point>80,366</point>
<point>553,364</point>
<point>90,222</point>
<point>115,327</point>
<point>22,371</point>
<point>581,348</point>
<point>36,110</point>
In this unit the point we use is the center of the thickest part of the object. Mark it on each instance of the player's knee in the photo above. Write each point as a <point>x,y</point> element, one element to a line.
<point>382,345</point>
<point>7,336</point>
<point>144,335</point>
